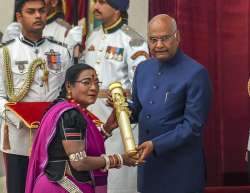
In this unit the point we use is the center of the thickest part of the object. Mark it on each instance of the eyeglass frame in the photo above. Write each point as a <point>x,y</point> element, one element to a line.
<point>163,39</point>
<point>83,82</point>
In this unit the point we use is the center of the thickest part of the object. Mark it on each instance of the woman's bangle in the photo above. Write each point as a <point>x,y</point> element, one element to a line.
<point>112,161</point>
<point>121,159</point>
<point>107,162</point>
<point>116,161</point>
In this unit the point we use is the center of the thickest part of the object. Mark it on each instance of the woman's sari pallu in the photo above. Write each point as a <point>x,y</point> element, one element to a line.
<point>37,181</point>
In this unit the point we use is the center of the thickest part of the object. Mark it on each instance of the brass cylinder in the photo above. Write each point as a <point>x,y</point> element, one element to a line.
<point>122,115</point>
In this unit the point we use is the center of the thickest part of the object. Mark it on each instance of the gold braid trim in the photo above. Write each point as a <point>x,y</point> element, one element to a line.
<point>248,87</point>
<point>12,97</point>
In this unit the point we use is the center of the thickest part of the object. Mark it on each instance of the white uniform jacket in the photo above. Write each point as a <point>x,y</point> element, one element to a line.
<point>22,53</point>
<point>114,53</point>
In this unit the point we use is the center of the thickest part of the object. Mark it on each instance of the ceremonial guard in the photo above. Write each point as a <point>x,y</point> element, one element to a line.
<point>32,69</point>
<point>114,49</point>
<point>56,27</point>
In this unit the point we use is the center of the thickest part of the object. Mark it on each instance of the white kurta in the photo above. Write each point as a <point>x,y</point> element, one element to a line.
<point>111,54</point>
<point>22,53</point>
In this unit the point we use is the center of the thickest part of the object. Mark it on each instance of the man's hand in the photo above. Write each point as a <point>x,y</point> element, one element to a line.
<point>131,161</point>
<point>145,149</point>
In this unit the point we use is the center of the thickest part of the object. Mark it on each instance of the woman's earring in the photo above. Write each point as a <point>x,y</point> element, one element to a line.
<point>69,95</point>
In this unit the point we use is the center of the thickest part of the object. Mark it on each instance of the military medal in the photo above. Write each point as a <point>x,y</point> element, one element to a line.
<point>53,60</point>
<point>107,52</point>
<point>21,65</point>
<point>114,53</point>
<point>120,54</point>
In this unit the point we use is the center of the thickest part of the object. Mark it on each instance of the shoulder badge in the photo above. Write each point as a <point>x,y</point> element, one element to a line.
<point>136,39</point>
<point>6,43</point>
<point>140,53</point>
<point>52,40</point>
<point>63,23</point>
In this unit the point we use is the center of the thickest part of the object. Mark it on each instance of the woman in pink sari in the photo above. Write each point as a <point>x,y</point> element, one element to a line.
<point>68,153</point>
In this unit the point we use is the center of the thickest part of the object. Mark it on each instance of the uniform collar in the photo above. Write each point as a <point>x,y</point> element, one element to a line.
<point>114,27</point>
<point>53,16</point>
<point>31,43</point>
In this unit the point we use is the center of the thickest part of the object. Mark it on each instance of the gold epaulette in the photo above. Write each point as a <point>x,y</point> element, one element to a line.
<point>136,39</point>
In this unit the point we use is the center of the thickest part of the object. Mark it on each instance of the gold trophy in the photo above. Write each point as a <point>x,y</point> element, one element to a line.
<point>122,116</point>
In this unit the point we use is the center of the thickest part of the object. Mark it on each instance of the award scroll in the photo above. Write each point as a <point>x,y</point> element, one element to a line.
<point>122,116</point>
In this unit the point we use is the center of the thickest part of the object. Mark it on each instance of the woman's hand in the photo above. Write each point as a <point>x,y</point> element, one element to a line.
<point>109,101</point>
<point>111,123</point>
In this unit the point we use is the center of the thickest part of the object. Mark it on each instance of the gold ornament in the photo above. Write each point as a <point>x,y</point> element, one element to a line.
<point>15,97</point>
<point>69,95</point>
<point>122,115</point>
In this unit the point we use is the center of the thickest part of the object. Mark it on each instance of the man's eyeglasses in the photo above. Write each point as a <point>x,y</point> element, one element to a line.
<point>163,39</point>
<point>89,83</point>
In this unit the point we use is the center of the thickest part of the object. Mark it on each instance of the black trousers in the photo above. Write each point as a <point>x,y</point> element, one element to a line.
<point>16,167</point>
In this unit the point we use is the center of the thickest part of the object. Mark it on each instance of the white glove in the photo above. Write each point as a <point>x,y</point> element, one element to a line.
<point>12,31</point>
<point>74,37</point>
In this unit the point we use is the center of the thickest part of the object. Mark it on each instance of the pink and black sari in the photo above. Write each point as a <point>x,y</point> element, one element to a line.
<point>94,146</point>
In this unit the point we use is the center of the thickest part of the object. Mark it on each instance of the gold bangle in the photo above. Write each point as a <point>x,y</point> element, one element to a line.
<point>112,161</point>
<point>77,156</point>
<point>121,159</point>
<point>107,162</point>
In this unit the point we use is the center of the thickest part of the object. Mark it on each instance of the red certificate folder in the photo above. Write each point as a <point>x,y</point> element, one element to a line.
<point>30,113</point>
